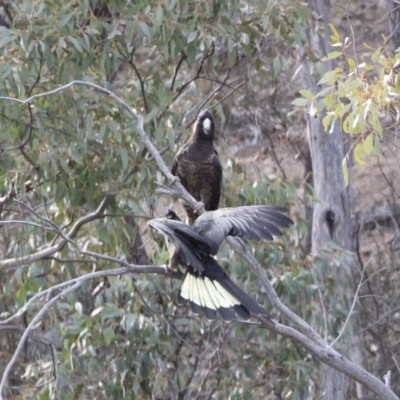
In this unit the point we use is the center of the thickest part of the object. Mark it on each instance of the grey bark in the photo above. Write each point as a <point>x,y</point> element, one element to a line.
<point>332,215</point>
<point>394,22</point>
<point>138,253</point>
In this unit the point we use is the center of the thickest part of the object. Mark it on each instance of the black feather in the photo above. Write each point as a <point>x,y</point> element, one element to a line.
<point>206,286</point>
<point>198,167</point>
<point>245,304</point>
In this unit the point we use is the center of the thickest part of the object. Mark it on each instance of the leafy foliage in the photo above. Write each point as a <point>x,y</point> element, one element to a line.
<point>361,96</point>
<point>62,154</point>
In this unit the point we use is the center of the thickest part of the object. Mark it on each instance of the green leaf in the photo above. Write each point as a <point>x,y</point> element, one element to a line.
<point>64,19</point>
<point>369,143</point>
<point>375,122</point>
<point>145,29</point>
<point>159,15</point>
<point>191,52</point>
<point>88,125</point>
<point>124,157</point>
<point>276,66</point>
<point>326,77</point>
<point>300,101</point>
<point>60,192</point>
<point>307,94</point>
<point>351,62</point>
<point>6,37</point>
<point>102,132</point>
<point>332,55</point>
<point>76,44</point>
<point>192,36</point>
<point>232,58</point>
<point>377,146</point>
<point>108,335</point>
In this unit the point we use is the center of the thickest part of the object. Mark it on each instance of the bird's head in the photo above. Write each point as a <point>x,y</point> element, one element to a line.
<point>169,213</point>
<point>205,124</point>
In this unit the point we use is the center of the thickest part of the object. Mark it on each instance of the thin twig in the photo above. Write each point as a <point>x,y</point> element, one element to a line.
<point>354,302</point>
<point>177,70</point>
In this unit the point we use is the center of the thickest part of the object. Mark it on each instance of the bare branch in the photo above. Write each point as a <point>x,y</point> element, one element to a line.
<point>141,82</point>
<point>386,378</point>
<point>177,70</point>
<point>15,221</point>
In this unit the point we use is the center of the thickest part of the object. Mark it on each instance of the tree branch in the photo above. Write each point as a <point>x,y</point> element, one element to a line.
<point>30,258</point>
<point>332,358</point>
<point>126,269</point>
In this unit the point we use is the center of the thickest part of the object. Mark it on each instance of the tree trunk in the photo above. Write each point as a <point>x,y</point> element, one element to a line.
<point>332,215</point>
<point>394,22</point>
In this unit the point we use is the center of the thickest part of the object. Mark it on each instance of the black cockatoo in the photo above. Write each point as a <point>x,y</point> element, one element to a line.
<point>198,167</point>
<point>206,286</point>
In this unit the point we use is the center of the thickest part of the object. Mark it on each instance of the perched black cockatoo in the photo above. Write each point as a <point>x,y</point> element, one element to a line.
<point>198,167</point>
<point>206,286</point>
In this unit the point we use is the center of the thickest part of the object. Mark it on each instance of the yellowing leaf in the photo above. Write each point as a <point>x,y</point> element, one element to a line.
<point>345,125</point>
<point>358,153</point>
<point>345,172</point>
<point>351,62</point>
<point>335,33</point>
<point>369,144</point>
<point>326,121</point>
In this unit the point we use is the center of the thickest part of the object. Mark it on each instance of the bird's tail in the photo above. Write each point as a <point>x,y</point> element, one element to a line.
<point>210,295</point>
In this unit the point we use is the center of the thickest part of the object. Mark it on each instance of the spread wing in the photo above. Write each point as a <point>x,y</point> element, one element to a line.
<point>191,247</point>
<point>249,222</point>
<point>214,292</point>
